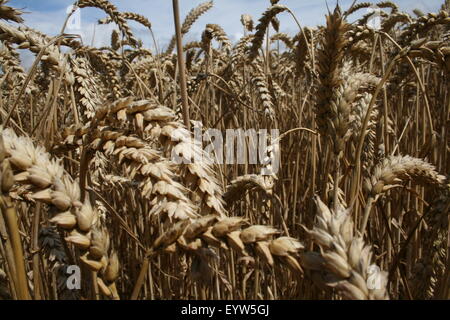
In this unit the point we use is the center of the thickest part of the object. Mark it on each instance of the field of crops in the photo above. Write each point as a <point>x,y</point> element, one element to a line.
<point>348,197</point>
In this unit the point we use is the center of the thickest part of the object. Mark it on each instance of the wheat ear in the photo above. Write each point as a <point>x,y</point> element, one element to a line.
<point>344,261</point>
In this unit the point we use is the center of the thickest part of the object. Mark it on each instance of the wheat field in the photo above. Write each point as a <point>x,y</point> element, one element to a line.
<point>357,208</point>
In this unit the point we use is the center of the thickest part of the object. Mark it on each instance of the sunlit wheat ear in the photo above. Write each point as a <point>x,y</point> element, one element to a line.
<point>190,19</point>
<point>422,24</point>
<point>51,184</point>
<point>342,100</point>
<point>35,41</point>
<point>197,175</point>
<point>260,82</point>
<point>155,174</point>
<point>115,41</point>
<point>251,182</point>
<point>11,64</point>
<point>155,166</point>
<point>247,22</point>
<point>101,62</point>
<point>341,194</point>
<point>285,246</point>
<point>239,50</point>
<point>113,13</point>
<point>257,233</point>
<point>129,16</point>
<point>284,37</point>
<point>214,31</point>
<point>85,86</point>
<point>302,40</point>
<point>344,260</point>
<point>396,170</point>
<point>330,60</point>
<point>229,234</point>
<point>356,7</point>
<point>356,120</point>
<point>261,28</point>
<point>9,13</point>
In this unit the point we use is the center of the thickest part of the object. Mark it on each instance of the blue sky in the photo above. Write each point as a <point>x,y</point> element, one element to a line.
<point>48,16</point>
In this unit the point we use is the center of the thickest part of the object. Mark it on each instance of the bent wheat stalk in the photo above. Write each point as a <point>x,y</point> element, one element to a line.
<point>392,172</point>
